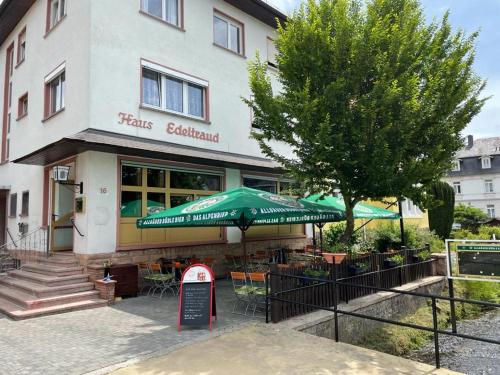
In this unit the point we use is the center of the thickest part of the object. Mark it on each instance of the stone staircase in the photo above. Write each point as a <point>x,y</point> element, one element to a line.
<point>51,286</point>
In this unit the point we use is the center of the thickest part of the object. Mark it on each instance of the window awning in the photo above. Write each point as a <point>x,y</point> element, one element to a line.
<point>103,141</point>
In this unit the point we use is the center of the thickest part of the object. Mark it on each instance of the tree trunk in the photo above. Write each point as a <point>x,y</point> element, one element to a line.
<point>349,213</point>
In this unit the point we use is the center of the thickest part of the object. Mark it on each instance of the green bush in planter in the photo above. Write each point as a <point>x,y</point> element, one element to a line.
<point>398,259</point>
<point>314,273</point>
<point>424,255</point>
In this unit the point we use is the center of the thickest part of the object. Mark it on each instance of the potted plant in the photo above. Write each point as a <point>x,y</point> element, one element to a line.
<point>358,268</point>
<point>422,256</point>
<point>107,268</point>
<point>336,254</point>
<point>394,261</point>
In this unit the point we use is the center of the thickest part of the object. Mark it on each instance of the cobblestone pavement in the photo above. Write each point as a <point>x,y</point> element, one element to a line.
<point>83,341</point>
<point>468,356</point>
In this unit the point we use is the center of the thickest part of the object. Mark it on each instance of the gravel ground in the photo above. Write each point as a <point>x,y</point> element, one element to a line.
<point>468,356</point>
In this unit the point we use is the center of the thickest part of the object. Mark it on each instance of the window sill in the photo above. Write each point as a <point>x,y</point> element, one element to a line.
<point>48,31</point>
<point>24,215</point>
<point>19,63</point>
<point>22,116</point>
<point>48,117</point>
<point>145,106</point>
<point>180,28</point>
<point>11,217</point>
<point>229,50</point>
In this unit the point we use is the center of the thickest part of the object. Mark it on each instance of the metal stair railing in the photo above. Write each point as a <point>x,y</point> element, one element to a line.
<point>29,243</point>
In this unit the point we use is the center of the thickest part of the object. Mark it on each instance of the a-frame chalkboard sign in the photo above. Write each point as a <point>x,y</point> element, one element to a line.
<point>197,297</point>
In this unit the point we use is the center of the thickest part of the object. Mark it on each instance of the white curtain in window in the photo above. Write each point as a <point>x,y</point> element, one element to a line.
<point>235,38</point>
<point>55,12</point>
<point>195,100</point>
<point>220,32</point>
<point>151,87</point>
<point>174,94</point>
<point>172,11</point>
<point>153,7</point>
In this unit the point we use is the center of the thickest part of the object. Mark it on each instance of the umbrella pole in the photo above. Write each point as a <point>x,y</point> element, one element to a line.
<point>321,238</point>
<point>243,231</point>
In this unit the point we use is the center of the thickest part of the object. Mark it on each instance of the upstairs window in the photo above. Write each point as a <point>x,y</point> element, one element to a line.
<point>456,166</point>
<point>490,209</point>
<point>457,187</point>
<point>271,53</point>
<point>56,12</point>
<point>55,87</point>
<point>167,10</point>
<point>13,205</point>
<point>21,46</point>
<point>485,162</point>
<point>228,33</point>
<point>173,91</point>
<point>22,106</point>
<point>488,186</point>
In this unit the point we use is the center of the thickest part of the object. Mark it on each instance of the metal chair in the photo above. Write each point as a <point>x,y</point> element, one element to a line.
<point>258,291</point>
<point>144,281</point>
<point>242,292</point>
<point>161,281</point>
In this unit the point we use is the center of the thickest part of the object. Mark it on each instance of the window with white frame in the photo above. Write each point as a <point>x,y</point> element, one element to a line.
<point>228,33</point>
<point>57,10</point>
<point>271,52</point>
<point>21,46</point>
<point>410,209</point>
<point>457,187</point>
<point>490,210</point>
<point>485,162</point>
<point>173,91</point>
<point>55,93</point>
<point>456,166</point>
<point>488,186</point>
<point>167,10</point>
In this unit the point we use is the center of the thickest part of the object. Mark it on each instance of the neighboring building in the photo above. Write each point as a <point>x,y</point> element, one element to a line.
<point>142,100</point>
<point>476,175</point>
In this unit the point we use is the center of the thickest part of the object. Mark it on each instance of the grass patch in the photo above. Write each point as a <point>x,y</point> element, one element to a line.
<point>401,341</point>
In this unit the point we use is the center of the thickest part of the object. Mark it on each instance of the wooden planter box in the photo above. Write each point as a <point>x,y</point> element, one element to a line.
<point>334,258</point>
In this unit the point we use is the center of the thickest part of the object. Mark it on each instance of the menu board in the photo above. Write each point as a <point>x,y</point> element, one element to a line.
<point>197,297</point>
<point>479,263</point>
<point>195,304</point>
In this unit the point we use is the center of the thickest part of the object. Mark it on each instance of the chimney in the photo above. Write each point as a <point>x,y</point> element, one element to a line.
<point>470,141</point>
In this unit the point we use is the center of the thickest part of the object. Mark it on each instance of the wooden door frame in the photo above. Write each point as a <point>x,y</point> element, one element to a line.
<point>53,221</point>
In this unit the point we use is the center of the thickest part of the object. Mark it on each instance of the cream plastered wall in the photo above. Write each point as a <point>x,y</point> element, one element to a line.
<point>116,54</point>
<point>474,191</point>
<point>67,42</point>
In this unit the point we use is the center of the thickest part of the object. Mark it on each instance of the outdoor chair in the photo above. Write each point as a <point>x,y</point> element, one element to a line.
<point>242,292</point>
<point>208,262</point>
<point>258,291</point>
<point>194,260</point>
<point>161,281</point>
<point>144,281</point>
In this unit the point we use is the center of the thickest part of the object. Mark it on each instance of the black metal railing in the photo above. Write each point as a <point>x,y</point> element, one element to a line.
<point>272,297</point>
<point>27,246</point>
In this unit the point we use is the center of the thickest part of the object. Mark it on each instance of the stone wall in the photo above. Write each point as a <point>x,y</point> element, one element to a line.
<point>383,305</point>
<point>93,263</point>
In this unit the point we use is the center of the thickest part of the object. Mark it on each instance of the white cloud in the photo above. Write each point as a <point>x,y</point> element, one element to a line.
<point>284,5</point>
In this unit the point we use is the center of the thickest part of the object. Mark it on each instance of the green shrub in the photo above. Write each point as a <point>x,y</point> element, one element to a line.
<point>484,232</point>
<point>441,209</point>
<point>470,218</point>
<point>398,259</point>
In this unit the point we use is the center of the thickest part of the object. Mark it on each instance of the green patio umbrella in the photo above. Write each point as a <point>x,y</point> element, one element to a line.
<point>361,210</point>
<point>242,207</point>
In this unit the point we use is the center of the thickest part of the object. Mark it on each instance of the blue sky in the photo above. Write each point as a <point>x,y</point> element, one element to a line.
<point>470,15</point>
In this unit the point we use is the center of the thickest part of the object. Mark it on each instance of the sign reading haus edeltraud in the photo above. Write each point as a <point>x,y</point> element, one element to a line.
<point>171,128</point>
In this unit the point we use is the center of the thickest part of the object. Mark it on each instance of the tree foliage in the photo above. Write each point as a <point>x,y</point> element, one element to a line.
<point>470,218</point>
<point>441,209</point>
<point>372,99</point>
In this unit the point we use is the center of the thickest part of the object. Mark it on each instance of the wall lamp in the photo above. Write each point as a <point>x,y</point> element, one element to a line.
<point>61,174</point>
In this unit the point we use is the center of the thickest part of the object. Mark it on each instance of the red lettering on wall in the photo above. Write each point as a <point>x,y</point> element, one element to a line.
<point>129,119</point>
<point>191,133</point>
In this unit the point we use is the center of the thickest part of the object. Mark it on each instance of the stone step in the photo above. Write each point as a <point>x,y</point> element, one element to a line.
<point>53,270</point>
<point>17,313</point>
<point>29,302</point>
<point>57,262</point>
<point>48,280</point>
<point>40,291</point>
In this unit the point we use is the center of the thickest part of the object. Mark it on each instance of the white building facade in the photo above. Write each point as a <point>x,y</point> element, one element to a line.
<point>142,99</point>
<point>476,175</point>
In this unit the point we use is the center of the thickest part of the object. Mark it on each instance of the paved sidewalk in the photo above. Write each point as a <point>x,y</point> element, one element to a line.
<point>269,350</point>
<point>83,341</point>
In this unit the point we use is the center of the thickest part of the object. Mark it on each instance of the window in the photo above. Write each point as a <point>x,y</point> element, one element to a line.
<point>7,109</point>
<point>13,205</point>
<point>228,33</point>
<point>490,210</point>
<point>174,92</point>
<point>271,53</point>
<point>22,106</point>
<point>167,10</point>
<point>271,186</point>
<point>457,187</point>
<point>488,186</point>
<point>25,203</point>
<point>56,12</point>
<point>485,162</point>
<point>21,46</point>
<point>456,166</point>
<point>150,189</point>
<point>55,87</point>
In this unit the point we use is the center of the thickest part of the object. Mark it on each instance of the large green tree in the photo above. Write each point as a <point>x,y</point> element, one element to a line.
<point>372,99</point>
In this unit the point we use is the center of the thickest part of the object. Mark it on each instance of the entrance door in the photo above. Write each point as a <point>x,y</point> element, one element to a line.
<point>62,212</point>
